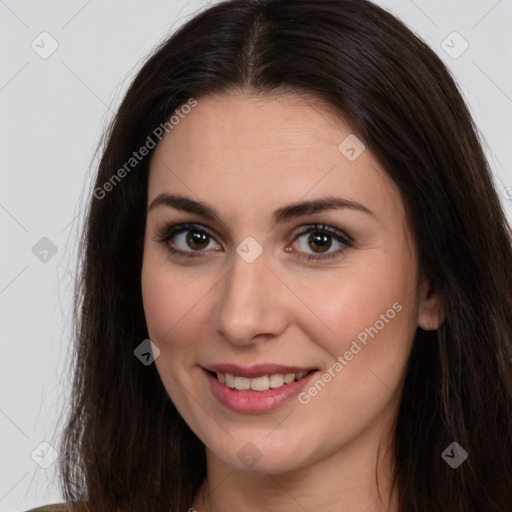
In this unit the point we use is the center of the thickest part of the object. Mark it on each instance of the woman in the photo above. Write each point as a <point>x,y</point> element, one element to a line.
<point>296,286</point>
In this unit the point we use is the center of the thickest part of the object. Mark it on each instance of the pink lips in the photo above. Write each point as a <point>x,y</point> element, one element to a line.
<point>250,401</point>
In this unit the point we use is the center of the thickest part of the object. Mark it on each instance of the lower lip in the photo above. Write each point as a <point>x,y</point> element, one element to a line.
<point>256,401</point>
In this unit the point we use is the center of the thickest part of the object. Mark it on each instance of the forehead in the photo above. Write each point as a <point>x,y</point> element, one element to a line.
<point>287,126</point>
<point>269,149</point>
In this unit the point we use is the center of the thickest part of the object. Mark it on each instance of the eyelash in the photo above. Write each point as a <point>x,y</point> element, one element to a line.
<point>169,231</point>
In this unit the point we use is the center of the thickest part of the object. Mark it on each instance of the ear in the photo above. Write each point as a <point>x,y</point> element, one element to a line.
<point>430,308</point>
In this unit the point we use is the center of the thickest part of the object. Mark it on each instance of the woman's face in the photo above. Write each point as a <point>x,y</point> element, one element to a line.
<point>256,291</point>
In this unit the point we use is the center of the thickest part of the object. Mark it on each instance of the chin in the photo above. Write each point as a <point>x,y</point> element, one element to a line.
<point>259,453</point>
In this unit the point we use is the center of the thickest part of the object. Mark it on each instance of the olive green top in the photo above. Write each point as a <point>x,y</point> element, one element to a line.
<point>56,507</point>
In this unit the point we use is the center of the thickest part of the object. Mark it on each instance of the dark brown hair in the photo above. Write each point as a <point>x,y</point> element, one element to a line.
<point>125,447</point>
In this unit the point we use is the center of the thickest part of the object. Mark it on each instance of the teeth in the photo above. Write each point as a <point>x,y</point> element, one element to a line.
<point>289,377</point>
<point>276,380</point>
<point>230,380</point>
<point>263,383</point>
<point>260,383</point>
<point>242,383</point>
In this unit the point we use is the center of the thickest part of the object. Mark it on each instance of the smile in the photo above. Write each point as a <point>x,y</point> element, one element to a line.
<point>263,383</point>
<point>256,389</point>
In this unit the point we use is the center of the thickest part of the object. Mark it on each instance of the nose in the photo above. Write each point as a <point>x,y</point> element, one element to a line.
<point>252,302</point>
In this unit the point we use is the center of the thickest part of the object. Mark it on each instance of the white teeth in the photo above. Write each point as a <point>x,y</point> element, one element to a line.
<point>230,380</point>
<point>263,383</point>
<point>276,380</point>
<point>289,377</point>
<point>242,383</point>
<point>260,383</point>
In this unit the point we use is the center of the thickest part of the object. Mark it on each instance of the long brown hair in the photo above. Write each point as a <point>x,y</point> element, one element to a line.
<point>125,446</point>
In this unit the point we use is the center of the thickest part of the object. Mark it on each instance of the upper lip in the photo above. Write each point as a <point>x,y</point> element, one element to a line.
<point>257,370</point>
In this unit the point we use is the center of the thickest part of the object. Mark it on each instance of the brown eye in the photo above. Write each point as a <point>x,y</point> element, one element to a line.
<point>187,240</point>
<point>320,239</point>
<point>197,239</point>
<point>319,242</point>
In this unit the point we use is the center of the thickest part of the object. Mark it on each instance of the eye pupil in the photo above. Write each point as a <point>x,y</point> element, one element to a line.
<point>198,238</point>
<point>320,240</point>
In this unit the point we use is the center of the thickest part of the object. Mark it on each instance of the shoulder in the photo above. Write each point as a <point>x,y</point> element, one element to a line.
<point>56,507</point>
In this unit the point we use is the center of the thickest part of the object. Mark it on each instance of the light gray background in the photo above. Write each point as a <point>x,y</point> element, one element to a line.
<point>53,111</point>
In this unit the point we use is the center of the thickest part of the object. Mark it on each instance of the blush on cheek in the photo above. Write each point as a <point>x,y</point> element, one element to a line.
<point>171,320</point>
<point>363,332</point>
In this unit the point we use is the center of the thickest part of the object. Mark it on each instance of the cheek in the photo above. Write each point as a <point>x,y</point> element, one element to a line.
<point>371,325</point>
<point>370,307</point>
<point>165,299</point>
<point>175,303</point>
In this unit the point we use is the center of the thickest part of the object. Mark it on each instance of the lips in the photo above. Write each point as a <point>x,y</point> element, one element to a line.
<point>256,389</point>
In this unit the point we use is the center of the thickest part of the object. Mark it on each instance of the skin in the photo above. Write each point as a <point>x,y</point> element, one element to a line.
<point>247,156</point>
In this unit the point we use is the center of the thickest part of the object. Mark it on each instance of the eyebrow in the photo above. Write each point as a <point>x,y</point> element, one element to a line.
<point>286,213</point>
